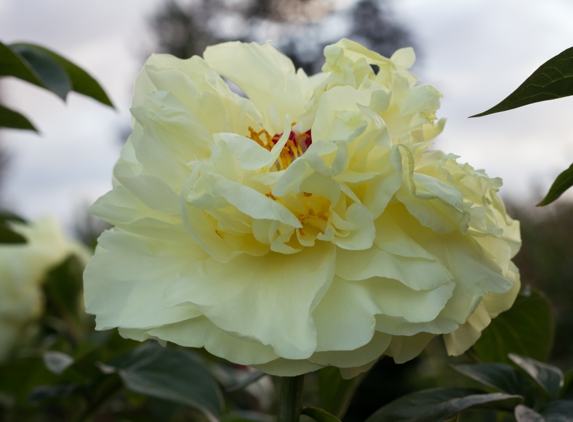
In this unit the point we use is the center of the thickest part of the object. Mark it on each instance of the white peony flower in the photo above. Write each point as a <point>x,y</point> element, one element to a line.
<point>303,226</point>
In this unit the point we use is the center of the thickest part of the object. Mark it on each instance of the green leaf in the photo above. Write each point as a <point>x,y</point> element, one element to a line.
<point>552,80</point>
<point>171,374</point>
<point>549,377</point>
<point>50,72</point>
<point>44,392</point>
<point>563,182</point>
<point>335,393</point>
<point>20,376</point>
<point>319,415</point>
<point>526,329</point>
<point>558,411</point>
<point>63,287</point>
<point>567,390</point>
<point>526,414</point>
<point>81,81</point>
<point>440,404</point>
<point>13,64</point>
<point>500,376</point>
<point>14,120</point>
<point>9,236</point>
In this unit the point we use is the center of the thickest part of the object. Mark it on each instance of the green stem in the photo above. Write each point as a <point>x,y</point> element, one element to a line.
<point>290,399</point>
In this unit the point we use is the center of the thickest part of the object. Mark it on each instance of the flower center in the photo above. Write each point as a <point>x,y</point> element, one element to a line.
<point>295,146</point>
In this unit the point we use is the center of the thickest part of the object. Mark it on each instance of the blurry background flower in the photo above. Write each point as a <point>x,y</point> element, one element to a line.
<point>23,268</point>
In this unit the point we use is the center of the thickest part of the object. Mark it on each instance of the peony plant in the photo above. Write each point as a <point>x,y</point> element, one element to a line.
<point>301,223</point>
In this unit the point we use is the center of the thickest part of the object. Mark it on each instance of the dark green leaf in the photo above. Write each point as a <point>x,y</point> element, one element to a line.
<point>563,182</point>
<point>63,287</point>
<point>558,411</point>
<point>13,64</point>
<point>6,215</point>
<point>526,329</point>
<point>567,390</point>
<point>549,377</point>
<point>171,374</point>
<point>440,404</point>
<point>335,392</point>
<point>57,362</point>
<point>553,79</point>
<point>19,377</point>
<point>43,392</point>
<point>526,414</point>
<point>51,73</point>
<point>81,81</point>
<point>9,236</point>
<point>500,376</point>
<point>13,120</point>
<point>319,415</point>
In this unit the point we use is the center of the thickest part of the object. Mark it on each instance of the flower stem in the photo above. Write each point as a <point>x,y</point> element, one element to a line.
<point>290,399</point>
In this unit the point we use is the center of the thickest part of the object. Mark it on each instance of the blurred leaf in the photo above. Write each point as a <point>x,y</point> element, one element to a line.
<point>63,287</point>
<point>567,390</point>
<point>7,235</point>
<point>549,377</point>
<point>19,377</point>
<point>81,81</point>
<point>552,80</point>
<point>526,329</point>
<point>319,415</point>
<point>500,376</point>
<point>13,64</point>
<point>14,120</point>
<point>44,392</point>
<point>57,362</point>
<point>6,215</point>
<point>50,72</point>
<point>171,374</point>
<point>439,404</point>
<point>526,414</point>
<point>253,377</point>
<point>563,182</point>
<point>558,411</point>
<point>335,393</point>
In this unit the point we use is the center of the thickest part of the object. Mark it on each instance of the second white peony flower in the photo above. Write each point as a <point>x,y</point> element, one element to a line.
<point>306,225</point>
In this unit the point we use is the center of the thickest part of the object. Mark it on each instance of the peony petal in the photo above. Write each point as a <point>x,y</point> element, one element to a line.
<point>352,358</point>
<point>128,297</point>
<point>265,75</point>
<point>344,318</point>
<point>245,199</point>
<point>403,348</point>
<point>200,332</point>
<point>287,367</point>
<point>362,233</point>
<point>272,298</point>
<point>416,273</point>
<point>349,373</point>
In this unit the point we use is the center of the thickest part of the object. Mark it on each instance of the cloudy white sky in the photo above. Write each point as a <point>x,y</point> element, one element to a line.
<point>474,51</point>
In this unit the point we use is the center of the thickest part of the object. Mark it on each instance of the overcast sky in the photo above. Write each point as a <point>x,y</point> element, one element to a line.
<point>474,51</point>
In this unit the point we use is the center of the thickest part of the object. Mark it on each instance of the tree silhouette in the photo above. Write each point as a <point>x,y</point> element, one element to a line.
<point>299,28</point>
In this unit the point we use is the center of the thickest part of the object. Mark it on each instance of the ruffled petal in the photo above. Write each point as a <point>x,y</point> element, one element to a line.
<point>147,267</point>
<point>272,298</point>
